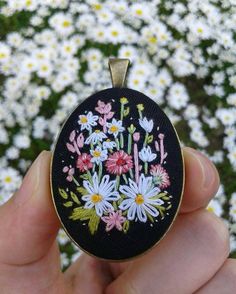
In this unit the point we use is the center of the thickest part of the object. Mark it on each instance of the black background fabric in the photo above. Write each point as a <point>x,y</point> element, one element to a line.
<point>116,245</point>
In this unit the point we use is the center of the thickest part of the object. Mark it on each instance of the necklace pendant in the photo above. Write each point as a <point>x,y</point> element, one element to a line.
<point>117,172</point>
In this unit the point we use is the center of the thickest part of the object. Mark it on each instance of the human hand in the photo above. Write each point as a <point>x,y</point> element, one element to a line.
<point>192,258</point>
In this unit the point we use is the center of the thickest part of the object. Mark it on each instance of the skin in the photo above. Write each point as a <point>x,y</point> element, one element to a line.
<point>192,258</point>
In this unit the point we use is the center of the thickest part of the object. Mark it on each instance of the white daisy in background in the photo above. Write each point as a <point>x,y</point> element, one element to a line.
<point>146,124</point>
<point>98,155</point>
<point>115,127</point>
<point>9,179</point>
<point>140,199</point>
<point>146,154</point>
<point>95,137</point>
<point>108,144</point>
<point>87,121</point>
<point>100,194</point>
<point>215,207</point>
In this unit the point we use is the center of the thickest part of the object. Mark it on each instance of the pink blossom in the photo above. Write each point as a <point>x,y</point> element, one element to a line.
<point>80,140</point>
<point>160,175</point>
<point>72,136</point>
<point>115,219</point>
<point>70,173</point>
<point>136,136</point>
<point>84,162</point>
<point>119,163</point>
<point>103,108</point>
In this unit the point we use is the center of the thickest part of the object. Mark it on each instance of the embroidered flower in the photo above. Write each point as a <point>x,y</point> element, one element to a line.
<point>140,199</point>
<point>147,125</point>
<point>98,155</point>
<point>70,173</point>
<point>119,163</point>
<point>146,154</point>
<point>115,219</point>
<point>100,194</point>
<point>84,162</point>
<point>108,144</point>
<point>103,108</point>
<point>115,127</point>
<point>87,121</point>
<point>95,137</point>
<point>161,177</point>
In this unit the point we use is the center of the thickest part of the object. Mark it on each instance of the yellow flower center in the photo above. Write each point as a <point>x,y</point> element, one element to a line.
<point>96,153</point>
<point>113,129</point>
<point>2,55</point>
<point>83,119</point>
<point>139,199</point>
<point>139,11</point>
<point>152,40</point>
<point>66,23</point>
<point>200,30</point>
<point>8,179</point>
<point>123,100</point>
<point>114,33</point>
<point>97,131</point>
<point>97,6</point>
<point>44,68</point>
<point>210,209</point>
<point>95,198</point>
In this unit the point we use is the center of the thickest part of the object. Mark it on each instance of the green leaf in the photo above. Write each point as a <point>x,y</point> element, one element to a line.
<point>63,193</point>
<point>150,139</point>
<point>68,204</point>
<point>126,111</point>
<point>75,198</point>
<point>93,223</point>
<point>80,213</point>
<point>158,196</point>
<point>169,207</point>
<point>82,190</point>
<point>84,177</point>
<point>150,217</point>
<point>125,226</point>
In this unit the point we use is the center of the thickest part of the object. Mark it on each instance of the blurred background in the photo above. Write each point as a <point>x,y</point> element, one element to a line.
<point>54,54</point>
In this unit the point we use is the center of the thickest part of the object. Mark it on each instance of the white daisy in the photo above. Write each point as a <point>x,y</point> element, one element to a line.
<point>87,121</point>
<point>98,154</point>
<point>146,154</point>
<point>95,137</point>
<point>108,144</point>
<point>99,194</point>
<point>115,127</point>
<point>146,124</point>
<point>140,199</point>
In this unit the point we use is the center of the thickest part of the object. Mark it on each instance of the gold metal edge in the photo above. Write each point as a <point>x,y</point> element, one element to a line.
<point>62,224</point>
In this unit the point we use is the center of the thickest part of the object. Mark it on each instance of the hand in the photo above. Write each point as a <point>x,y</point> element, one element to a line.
<point>191,258</point>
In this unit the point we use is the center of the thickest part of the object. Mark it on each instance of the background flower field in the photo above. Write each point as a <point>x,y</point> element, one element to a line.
<point>54,53</point>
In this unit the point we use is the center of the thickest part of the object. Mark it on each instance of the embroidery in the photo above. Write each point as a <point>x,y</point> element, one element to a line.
<point>119,175</point>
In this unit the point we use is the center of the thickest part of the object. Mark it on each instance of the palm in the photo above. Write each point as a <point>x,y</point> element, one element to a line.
<point>184,261</point>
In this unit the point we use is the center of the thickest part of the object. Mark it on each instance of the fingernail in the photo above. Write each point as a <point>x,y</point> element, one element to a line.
<point>31,181</point>
<point>209,171</point>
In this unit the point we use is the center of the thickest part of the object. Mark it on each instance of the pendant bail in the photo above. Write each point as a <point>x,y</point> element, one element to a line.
<point>118,69</point>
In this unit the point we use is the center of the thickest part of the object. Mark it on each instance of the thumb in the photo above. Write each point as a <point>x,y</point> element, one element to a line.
<point>28,222</point>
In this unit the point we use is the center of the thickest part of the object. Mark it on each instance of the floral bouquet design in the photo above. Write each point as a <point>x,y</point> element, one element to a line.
<point>121,177</point>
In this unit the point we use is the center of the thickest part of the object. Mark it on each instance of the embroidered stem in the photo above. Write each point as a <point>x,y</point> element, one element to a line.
<point>129,143</point>
<point>100,171</point>
<point>117,144</point>
<point>76,148</point>
<point>145,140</point>
<point>89,176</point>
<point>162,152</point>
<point>145,167</point>
<point>136,165</point>
<point>117,182</point>
<point>75,181</point>
<point>125,178</point>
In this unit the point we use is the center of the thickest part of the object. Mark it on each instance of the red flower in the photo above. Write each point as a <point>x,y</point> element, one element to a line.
<point>84,162</point>
<point>160,175</point>
<point>119,163</point>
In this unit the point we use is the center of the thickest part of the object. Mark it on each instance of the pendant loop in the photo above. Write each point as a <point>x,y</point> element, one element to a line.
<point>118,69</point>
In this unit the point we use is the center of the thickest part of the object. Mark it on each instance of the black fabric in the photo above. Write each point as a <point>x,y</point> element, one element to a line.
<point>115,244</point>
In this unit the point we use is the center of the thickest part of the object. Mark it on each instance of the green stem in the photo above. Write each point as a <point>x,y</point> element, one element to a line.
<point>145,167</point>
<point>145,140</point>
<point>131,173</point>
<point>117,144</point>
<point>140,114</point>
<point>129,143</point>
<point>89,176</point>
<point>117,182</point>
<point>76,182</point>
<point>125,178</point>
<point>121,141</point>
<point>100,172</point>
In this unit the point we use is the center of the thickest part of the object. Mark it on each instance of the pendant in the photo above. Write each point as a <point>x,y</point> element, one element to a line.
<point>117,172</point>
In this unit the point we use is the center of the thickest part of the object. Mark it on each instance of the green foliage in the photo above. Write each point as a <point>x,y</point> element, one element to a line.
<point>63,193</point>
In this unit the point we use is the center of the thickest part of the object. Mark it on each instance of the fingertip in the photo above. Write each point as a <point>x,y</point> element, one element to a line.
<point>201,180</point>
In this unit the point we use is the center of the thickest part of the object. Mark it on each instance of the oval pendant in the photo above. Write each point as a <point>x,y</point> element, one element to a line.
<point>117,174</point>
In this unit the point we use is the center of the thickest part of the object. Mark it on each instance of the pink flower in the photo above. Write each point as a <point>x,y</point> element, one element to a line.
<point>80,140</point>
<point>70,173</point>
<point>136,136</point>
<point>115,219</point>
<point>103,108</point>
<point>84,162</point>
<point>160,175</point>
<point>119,163</point>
